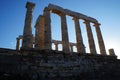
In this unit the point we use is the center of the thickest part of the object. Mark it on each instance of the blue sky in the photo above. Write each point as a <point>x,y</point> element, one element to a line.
<point>12,16</point>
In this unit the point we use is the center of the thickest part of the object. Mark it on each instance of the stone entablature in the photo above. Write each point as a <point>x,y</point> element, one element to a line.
<point>58,10</point>
<point>43,39</point>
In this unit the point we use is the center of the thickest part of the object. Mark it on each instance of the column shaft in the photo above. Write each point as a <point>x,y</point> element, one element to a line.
<point>111,52</point>
<point>71,48</point>
<point>27,42</point>
<point>100,39</point>
<point>80,45</point>
<point>56,46</point>
<point>47,34</point>
<point>90,38</point>
<point>65,39</point>
<point>39,33</point>
<point>17,44</point>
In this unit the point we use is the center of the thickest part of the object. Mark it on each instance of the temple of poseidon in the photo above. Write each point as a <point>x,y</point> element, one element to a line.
<point>42,39</point>
<point>35,59</point>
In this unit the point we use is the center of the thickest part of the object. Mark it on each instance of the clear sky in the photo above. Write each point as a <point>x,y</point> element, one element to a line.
<point>107,12</point>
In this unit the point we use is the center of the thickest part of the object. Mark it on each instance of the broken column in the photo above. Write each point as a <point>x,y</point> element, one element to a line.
<point>90,38</point>
<point>18,44</point>
<point>65,39</point>
<point>111,52</point>
<point>71,47</point>
<point>56,45</point>
<point>39,33</point>
<point>100,39</point>
<point>47,34</point>
<point>27,42</point>
<point>80,45</point>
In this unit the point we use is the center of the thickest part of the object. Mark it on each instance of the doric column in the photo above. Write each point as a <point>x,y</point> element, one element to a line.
<point>39,33</point>
<point>65,39</point>
<point>56,46</point>
<point>80,45</point>
<point>18,44</point>
<point>47,34</point>
<point>27,42</point>
<point>100,39</point>
<point>71,48</point>
<point>90,38</point>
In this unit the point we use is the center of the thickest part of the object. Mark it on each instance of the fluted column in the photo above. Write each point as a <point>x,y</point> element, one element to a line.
<point>65,39</point>
<point>100,39</point>
<point>80,45</point>
<point>27,42</point>
<point>39,33</point>
<point>90,38</point>
<point>18,44</point>
<point>47,34</point>
<point>56,46</point>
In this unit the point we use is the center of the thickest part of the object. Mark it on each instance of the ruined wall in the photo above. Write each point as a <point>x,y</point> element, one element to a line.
<point>57,65</point>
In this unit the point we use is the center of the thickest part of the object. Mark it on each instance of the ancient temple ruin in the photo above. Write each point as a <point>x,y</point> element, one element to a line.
<point>43,40</point>
<point>34,58</point>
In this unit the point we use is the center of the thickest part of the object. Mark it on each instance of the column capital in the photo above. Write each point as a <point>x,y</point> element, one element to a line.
<point>30,5</point>
<point>61,14</point>
<point>96,24</point>
<point>75,18</point>
<point>17,38</point>
<point>46,9</point>
<point>86,22</point>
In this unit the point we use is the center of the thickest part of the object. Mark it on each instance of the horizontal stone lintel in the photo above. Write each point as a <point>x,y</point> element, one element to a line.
<point>57,9</point>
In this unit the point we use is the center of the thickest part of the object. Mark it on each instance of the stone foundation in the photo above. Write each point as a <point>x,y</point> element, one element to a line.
<point>48,64</point>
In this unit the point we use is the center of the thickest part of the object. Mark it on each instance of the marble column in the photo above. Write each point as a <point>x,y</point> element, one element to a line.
<point>56,46</point>
<point>18,44</point>
<point>100,39</point>
<point>90,38</point>
<point>47,34</point>
<point>71,48</point>
<point>80,45</point>
<point>111,52</point>
<point>65,39</point>
<point>39,33</point>
<point>27,42</point>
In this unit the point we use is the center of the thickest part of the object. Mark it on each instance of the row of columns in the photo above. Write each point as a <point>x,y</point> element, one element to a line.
<point>43,33</point>
<point>56,43</point>
<point>80,44</point>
